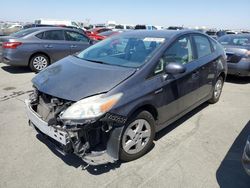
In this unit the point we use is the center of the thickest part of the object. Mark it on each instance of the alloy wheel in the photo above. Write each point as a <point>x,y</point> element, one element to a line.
<point>218,88</point>
<point>40,63</point>
<point>136,136</point>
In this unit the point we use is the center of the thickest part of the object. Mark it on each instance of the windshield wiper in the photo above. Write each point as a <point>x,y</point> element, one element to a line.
<point>96,61</point>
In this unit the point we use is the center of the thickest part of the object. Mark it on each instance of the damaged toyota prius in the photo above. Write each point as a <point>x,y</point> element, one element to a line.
<point>107,102</point>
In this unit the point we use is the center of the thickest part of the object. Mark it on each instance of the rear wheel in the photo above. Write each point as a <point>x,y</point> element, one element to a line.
<point>217,90</point>
<point>38,62</point>
<point>137,137</point>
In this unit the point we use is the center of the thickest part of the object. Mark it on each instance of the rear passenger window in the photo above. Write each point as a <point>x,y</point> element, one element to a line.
<point>53,35</point>
<point>202,45</point>
<point>74,36</point>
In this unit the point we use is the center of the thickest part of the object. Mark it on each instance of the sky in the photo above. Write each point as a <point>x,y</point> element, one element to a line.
<point>226,14</point>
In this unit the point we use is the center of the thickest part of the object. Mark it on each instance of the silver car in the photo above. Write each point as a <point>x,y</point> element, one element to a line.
<point>39,47</point>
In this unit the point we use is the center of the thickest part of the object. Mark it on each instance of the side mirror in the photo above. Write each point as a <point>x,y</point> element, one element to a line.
<point>174,68</point>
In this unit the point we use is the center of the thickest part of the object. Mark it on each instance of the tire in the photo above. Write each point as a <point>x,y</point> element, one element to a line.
<point>217,90</point>
<point>137,137</point>
<point>38,62</point>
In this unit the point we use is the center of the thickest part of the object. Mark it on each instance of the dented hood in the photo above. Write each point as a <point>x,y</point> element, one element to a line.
<point>73,79</point>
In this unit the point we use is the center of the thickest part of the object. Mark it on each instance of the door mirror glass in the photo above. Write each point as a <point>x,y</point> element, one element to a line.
<point>175,68</point>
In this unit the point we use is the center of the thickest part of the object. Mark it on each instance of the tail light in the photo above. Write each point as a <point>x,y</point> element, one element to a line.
<point>11,45</point>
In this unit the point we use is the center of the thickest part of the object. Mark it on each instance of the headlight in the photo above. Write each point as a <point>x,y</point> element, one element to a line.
<point>91,107</point>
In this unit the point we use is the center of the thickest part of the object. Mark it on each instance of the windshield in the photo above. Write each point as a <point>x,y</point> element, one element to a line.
<point>235,40</point>
<point>122,51</point>
<point>23,33</point>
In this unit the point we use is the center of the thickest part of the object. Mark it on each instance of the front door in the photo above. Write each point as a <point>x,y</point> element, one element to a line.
<point>179,92</point>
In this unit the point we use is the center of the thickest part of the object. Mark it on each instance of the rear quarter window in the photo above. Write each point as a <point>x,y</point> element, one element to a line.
<point>40,35</point>
<point>23,33</point>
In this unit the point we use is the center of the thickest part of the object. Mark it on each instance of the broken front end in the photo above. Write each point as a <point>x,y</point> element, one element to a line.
<point>83,128</point>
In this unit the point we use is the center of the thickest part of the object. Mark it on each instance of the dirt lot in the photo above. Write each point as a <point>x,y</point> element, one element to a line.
<point>203,149</point>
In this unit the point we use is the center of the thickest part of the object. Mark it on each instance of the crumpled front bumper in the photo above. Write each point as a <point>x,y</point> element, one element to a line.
<point>92,158</point>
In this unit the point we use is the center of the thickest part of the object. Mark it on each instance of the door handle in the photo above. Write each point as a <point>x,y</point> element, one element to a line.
<point>158,91</point>
<point>48,46</point>
<point>73,46</point>
<point>195,74</point>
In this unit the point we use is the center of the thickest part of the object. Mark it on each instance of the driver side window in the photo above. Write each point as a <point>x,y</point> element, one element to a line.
<point>179,52</point>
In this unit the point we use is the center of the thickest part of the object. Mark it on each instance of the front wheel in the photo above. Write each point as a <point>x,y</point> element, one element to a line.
<point>137,137</point>
<point>217,90</point>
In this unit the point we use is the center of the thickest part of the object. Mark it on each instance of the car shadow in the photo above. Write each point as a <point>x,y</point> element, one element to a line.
<point>237,79</point>
<point>180,121</point>
<point>16,70</point>
<point>73,160</point>
<point>76,162</point>
<point>231,173</point>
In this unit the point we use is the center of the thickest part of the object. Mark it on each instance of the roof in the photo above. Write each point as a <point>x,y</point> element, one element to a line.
<point>157,33</point>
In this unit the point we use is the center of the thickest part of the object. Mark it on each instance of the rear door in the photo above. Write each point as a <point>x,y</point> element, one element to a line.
<point>54,44</point>
<point>76,42</point>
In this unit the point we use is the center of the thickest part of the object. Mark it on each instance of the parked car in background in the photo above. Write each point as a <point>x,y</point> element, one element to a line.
<point>231,32</point>
<point>12,28</point>
<point>238,53</point>
<point>107,34</point>
<point>27,26</point>
<point>246,156</point>
<point>57,22</point>
<point>110,100</point>
<point>175,28</point>
<point>145,27</point>
<point>94,33</point>
<point>158,27</point>
<point>43,25</point>
<point>212,33</point>
<point>123,27</point>
<point>245,31</point>
<point>39,47</point>
<point>111,24</point>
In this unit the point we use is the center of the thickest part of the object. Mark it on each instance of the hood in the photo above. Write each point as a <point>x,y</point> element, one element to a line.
<point>73,79</point>
<point>236,53</point>
<point>239,50</point>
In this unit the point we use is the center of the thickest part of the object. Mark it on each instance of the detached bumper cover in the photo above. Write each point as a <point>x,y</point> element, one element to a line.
<point>36,120</point>
<point>246,157</point>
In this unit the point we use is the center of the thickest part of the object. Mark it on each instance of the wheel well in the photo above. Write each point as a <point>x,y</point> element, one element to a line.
<point>39,53</point>
<point>223,75</point>
<point>150,108</point>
